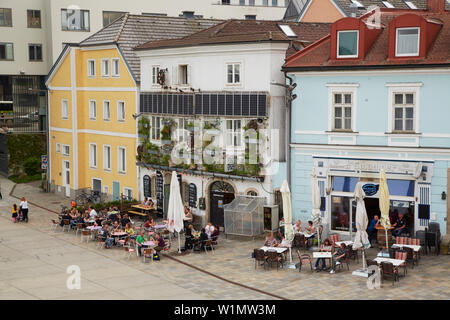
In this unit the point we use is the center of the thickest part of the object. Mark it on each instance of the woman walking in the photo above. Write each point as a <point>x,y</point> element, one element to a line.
<point>24,209</point>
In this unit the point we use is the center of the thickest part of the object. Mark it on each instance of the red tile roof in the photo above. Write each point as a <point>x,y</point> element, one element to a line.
<point>317,55</point>
<point>238,31</point>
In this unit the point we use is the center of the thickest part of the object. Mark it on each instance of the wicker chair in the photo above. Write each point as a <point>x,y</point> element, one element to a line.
<point>272,256</point>
<point>411,256</point>
<point>334,238</point>
<point>300,241</point>
<point>345,260</point>
<point>260,256</point>
<point>353,253</point>
<point>401,255</point>
<point>389,271</point>
<point>416,242</point>
<point>372,263</point>
<point>304,259</point>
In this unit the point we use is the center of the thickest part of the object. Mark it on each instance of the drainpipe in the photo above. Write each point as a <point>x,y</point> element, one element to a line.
<point>288,133</point>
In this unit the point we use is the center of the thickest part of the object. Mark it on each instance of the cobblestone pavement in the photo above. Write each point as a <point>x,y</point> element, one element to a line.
<point>33,262</point>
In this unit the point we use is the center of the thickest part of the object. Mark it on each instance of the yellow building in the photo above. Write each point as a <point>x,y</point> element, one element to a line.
<point>93,94</point>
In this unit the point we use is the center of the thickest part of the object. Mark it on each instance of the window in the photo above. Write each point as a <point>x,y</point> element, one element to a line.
<point>106,110</point>
<point>91,68</point>
<point>128,194</point>
<point>74,20</point>
<point>242,2</point>
<point>359,5</point>
<point>65,150</point>
<point>287,30</point>
<point>234,133</point>
<point>115,67</point>
<point>5,17</point>
<point>344,184</point>
<point>121,110</point>
<point>404,105</point>
<point>403,188</point>
<point>266,3</point>
<point>110,16</point>
<point>92,110</point>
<point>233,73</point>
<point>251,2</point>
<point>407,42</point>
<point>183,134</point>
<point>183,74</point>
<point>411,5</point>
<point>252,193</point>
<point>106,157</point>
<point>340,213</point>
<point>6,51</point>
<point>156,128</point>
<point>64,109</point>
<point>274,3</point>
<point>122,159</point>
<point>342,111</point>
<point>388,4</point>
<point>93,155</point>
<point>34,18</point>
<point>105,68</point>
<point>35,52</point>
<point>105,189</point>
<point>347,44</point>
<point>58,147</point>
<point>227,2</point>
<point>250,17</point>
<point>155,71</point>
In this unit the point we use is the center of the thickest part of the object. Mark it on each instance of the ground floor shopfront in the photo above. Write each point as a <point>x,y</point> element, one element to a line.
<point>417,185</point>
<point>204,194</point>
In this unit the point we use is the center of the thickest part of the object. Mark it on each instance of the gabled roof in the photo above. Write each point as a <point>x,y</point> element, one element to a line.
<point>245,31</point>
<point>294,8</point>
<point>132,30</point>
<point>317,55</point>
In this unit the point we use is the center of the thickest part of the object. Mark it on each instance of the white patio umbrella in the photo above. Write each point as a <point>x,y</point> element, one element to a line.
<point>384,204</point>
<point>175,211</point>
<point>287,214</point>
<point>361,221</point>
<point>315,202</point>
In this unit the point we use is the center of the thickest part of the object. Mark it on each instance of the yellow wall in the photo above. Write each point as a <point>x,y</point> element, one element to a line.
<point>322,11</point>
<point>106,132</point>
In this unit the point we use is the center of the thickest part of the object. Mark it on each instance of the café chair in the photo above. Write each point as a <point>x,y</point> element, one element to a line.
<point>304,260</point>
<point>272,256</point>
<point>260,256</point>
<point>401,255</point>
<point>85,234</point>
<point>389,271</point>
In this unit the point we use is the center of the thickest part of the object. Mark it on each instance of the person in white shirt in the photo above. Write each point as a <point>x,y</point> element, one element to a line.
<point>24,209</point>
<point>298,227</point>
<point>92,213</point>
<point>209,229</point>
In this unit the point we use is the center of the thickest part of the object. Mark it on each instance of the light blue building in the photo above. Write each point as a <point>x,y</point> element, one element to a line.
<point>371,100</point>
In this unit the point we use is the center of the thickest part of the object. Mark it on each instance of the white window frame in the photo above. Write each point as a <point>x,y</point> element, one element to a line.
<point>125,193</point>
<point>64,109</point>
<point>115,73</point>
<point>58,147</point>
<point>404,88</point>
<point>396,42</point>
<point>91,75</point>
<point>63,150</point>
<point>105,166</point>
<point>234,133</point>
<point>233,64</point>
<point>180,75</point>
<point>93,165</point>
<point>106,103</point>
<point>182,122</point>
<point>119,118</point>
<point>153,129</point>
<point>357,44</point>
<point>106,75</point>
<point>154,79</point>
<point>342,88</point>
<point>92,115</point>
<point>119,164</point>
<point>105,189</point>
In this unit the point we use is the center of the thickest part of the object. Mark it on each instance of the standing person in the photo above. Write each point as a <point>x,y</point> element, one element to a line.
<point>14,212</point>
<point>371,230</point>
<point>24,209</point>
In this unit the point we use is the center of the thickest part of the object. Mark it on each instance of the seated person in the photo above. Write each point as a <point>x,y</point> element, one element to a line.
<point>280,231</point>
<point>160,243</point>
<point>116,226</point>
<point>371,230</point>
<point>270,241</point>
<point>92,213</point>
<point>203,238</point>
<point>140,239</point>
<point>149,223</point>
<point>215,233</point>
<point>310,229</point>
<point>298,227</point>
<point>209,229</point>
<point>106,236</point>
<point>338,256</point>
<point>145,201</point>
<point>74,215</point>
<point>285,243</point>
<point>125,220</point>
<point>399,225</point>
<point>325,247</point>
<point>65,216</point>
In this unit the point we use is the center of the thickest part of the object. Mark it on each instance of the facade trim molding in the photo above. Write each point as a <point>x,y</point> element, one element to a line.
<point>108,133</point>
<point>129,89</point>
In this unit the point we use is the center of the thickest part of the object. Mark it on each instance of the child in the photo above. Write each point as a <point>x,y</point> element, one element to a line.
<point>14,212</point>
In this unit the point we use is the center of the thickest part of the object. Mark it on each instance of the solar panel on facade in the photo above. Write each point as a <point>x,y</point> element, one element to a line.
<point>221,104</point>
<point>237,104</point>
<point>206,103</point>
<point>245,104</point>
<point>213,106</point>
<point>262,105</point>
<point>253,104</point>
<point>170,104</point>
<point>229,104</point>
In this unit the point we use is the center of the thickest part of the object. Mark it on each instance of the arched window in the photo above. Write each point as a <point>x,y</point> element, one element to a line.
<point>252,193</point>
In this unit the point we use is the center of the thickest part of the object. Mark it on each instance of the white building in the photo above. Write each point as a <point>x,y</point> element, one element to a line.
<point>220,81</point>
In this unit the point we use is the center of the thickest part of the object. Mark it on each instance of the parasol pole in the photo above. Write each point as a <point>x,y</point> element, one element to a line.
<point>179,243</point>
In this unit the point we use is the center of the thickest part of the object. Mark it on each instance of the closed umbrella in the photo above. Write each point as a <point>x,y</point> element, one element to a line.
<point>287,214</point>
<point>384,204</point>
<point>315,202</point>
<point>175,211</point>
<point>361,221</point>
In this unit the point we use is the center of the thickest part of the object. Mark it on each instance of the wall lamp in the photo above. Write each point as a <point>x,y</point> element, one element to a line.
<point>443,195</point>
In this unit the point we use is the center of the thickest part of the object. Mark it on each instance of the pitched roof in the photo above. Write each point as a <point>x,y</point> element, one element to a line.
<point>344,5</point>
<point>294,8</point>
<point>244,31</point>
<point>132,30</point>
<point>317,55</point>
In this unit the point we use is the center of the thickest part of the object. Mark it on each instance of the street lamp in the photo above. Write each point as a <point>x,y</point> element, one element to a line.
<point>47,124</point>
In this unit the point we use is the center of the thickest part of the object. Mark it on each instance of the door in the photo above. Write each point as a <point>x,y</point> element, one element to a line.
<point>221,193</point>
<point>353,216</point>
<point>66,177</point>
<point>116,190</point>
<point>166,199</point>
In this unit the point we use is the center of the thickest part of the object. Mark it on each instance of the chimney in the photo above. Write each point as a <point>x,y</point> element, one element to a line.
<point>436,6</point>
<point>188,14</point>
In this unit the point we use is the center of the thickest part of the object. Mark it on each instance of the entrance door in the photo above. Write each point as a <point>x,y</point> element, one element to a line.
<point>66,177</point>
<point>221,193</point>
<point>116,190</point>
<point>97,185</point>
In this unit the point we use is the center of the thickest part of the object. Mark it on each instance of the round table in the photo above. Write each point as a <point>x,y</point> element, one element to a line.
<point>381,236</point>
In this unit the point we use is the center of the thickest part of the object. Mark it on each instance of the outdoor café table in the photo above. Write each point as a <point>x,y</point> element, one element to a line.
<point>160,226</point>
<point>143,210</point>
<point>279,250</point>
<point>395,262</point>
<point>92,228</point>
<point>324,255</point>
<point>347,243</point>
<point>414,247</point>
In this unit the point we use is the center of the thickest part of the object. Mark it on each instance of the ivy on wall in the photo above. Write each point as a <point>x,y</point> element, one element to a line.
<point>22,148</point>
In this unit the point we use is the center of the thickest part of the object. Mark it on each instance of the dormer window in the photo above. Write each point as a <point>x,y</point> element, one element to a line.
<point>347,44</point>
<point>407,42</point>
